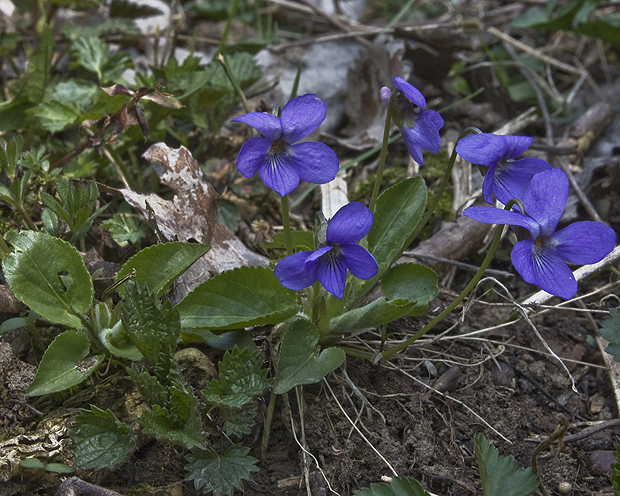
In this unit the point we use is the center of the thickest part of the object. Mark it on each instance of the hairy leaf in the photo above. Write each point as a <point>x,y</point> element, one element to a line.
<point>221,474</point>
<point>63,364</point>
<point>400,486</point>
<point>166,426</point>
<point>150,388</point>
<point>152,327</point>
<point>299,361</point>
<point>159,265</point>
<point>239,421</point>
<point>54,116</point>
<point>610,330</point>
<point>237,298</point>
<point>101,440</point>
<point>241,378</point>
<point>499,475</point>
<point>49,276</point>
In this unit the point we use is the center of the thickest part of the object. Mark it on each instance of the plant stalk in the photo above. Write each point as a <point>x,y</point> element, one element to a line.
<point>383,156</point>
<point>472,284</point>
<point>286,223</point>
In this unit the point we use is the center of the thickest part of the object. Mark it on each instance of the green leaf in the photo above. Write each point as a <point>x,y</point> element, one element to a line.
<point>116,342</point>
<point>165,426</point>
<point>63,364</point>
<point>610,330</point>
<point>152,327</point>
<point>158,265</point>
<point>10,154</point>
<point>59,468</point>
<point>413,282</point>
<point>241,378</point>
<point>221,474</point>
<point>124,228</point>
<point>154,392</point>
<point>91,53</point>
<point>33,463</point>
<point>299,362</point>
<point>615,472</point>
<point>55,116</point>
<point>101,440</point>
<point>38,70</point>
<point>241,297</point>
<point>499,475</point>
<point>400,486</point>
<point>34,273</point>
<point>397,213</point>
<point>378,312</point>
<point>239,421</point>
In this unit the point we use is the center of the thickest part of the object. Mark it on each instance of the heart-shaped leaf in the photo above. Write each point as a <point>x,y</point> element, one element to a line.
<point>238,298</point>
<point>159,265</point>
<point>63,364</point>
<point>49,276</point>
<point>299,362</point>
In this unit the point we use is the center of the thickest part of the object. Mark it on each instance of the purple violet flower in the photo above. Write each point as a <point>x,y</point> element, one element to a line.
<point>340,252</point>
<point>419,127</point>
<point>280,162</point>
<point>507,179</point>
<point>541,259</point>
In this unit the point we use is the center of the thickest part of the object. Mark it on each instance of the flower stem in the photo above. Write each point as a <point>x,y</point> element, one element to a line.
<point>472,284</point>
<point>439,193</point>
<point>383,156</point>
<point>286,222</point>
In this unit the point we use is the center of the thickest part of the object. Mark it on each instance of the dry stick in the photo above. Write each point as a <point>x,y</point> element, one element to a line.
<point>585,201</point>
<point>539,96</point>
<point>77,487</point>
<point>545,58</point>
<point>444,395</point>
<point>328,37</point>
<point>334,21</point>
<point>299,392</point>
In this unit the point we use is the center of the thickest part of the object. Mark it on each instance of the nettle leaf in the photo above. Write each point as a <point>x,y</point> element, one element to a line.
<point>242,297</point>
<point>400,486</point>
<point>610,330</point>
<point>499,475</point>
<point>241,378</point>
<point>221,474</point>
<point>54,116</point>
<point>166,426</point>
<point>49,276</point>
<point>64,364</point>
<point>158,265</point>
<point>239,421</point>
<point>152,327</point>
<point>153,391</point>
<point>101,440</point>
<point>299,361</point>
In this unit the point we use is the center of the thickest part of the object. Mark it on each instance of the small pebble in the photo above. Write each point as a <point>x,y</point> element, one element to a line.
<point>599,462</point>
<point>565,487</point>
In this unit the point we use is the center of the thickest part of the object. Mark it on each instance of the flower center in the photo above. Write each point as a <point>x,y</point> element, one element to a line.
<point>277,150</point>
